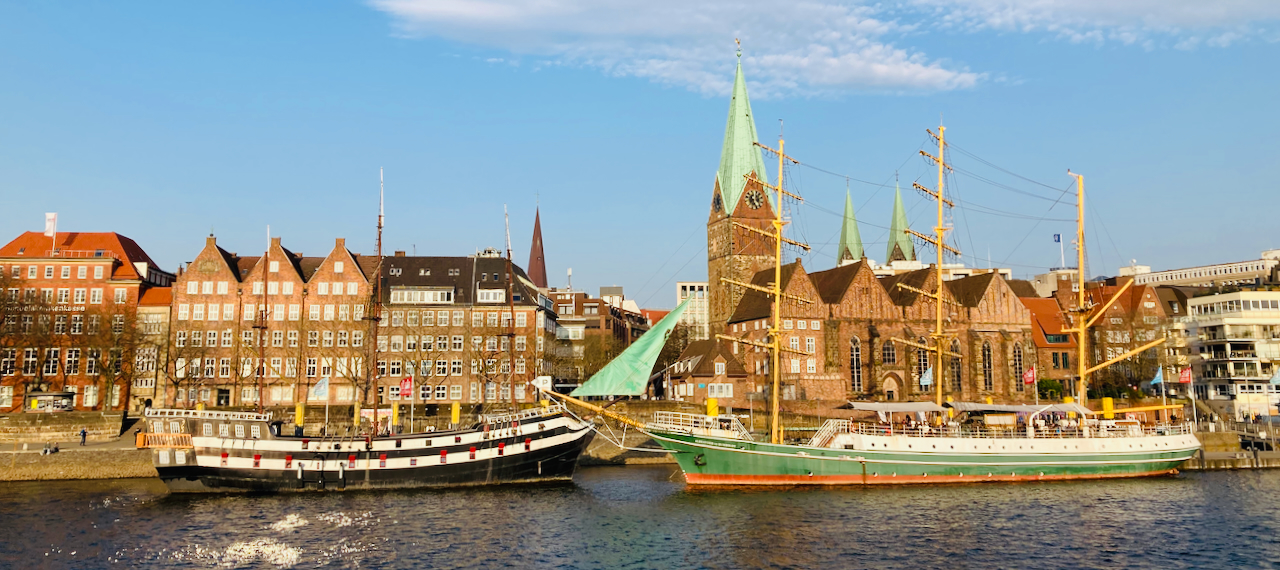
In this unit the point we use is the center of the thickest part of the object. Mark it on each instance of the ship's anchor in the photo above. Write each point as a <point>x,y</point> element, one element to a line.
<point>700,460</point>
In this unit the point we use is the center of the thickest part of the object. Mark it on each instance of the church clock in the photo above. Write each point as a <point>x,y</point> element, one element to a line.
<point>717,203</point>
<point>755,199</point>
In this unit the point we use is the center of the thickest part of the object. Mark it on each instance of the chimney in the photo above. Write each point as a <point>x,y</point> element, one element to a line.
<point>275,242</point>
<point>210,241</point>
<point>340,243</point>
<point>399,254</point>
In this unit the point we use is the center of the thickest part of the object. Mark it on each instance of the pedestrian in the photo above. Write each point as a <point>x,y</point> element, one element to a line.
<point>84,434</point>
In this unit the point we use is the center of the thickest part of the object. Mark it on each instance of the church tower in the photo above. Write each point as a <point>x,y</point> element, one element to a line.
<point>734,252</point>
<point>537,269</point>
<point>901,248</point>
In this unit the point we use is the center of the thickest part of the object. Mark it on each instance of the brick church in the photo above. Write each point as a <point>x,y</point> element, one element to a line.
<point>855,331</point>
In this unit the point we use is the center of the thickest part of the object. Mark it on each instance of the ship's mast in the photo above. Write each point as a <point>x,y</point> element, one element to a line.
<point>260,319</point>
<point>1086,314</point>
<point>375,309</point>
<point>938,239</point>
<point>511,311</point>
<point>774,290</point>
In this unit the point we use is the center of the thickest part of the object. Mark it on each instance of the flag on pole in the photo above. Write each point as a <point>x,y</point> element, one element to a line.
<point>1275,378</point>
<point>1029,377</point>
<point>1159,379</point>
<point>51,224</point>
<point>927,378</point>
<point>406,387</point>
<point>320,390</point>
<point>1057,238</point>
<point>1184,377</point>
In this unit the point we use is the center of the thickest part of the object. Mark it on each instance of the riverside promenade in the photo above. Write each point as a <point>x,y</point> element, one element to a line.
<point>114,458</point>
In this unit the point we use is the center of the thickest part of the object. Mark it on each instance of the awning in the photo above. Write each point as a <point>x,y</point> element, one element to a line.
<point>1019,409</point>
<point>893,407</point>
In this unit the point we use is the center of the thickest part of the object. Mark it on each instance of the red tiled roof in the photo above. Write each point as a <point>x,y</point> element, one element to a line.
<point>654,315</point>
<point>87,244</point>
<point>156,297</point>
<point>1046,319</point>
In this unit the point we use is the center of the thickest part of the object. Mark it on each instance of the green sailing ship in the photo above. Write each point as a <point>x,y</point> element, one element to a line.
<point>960,442</point>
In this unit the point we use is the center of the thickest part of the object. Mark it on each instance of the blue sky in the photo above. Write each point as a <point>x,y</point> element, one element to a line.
<point>163,121</point>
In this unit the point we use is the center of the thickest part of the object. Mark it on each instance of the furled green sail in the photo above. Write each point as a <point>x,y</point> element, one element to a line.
<point>628,374</point>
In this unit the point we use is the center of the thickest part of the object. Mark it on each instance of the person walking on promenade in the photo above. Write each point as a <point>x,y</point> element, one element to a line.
<point>84,433</point>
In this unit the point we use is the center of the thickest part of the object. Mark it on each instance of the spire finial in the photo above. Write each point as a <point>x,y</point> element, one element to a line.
<point>735,40</point>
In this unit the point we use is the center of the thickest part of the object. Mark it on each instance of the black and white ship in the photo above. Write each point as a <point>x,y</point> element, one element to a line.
<point>217,451</point>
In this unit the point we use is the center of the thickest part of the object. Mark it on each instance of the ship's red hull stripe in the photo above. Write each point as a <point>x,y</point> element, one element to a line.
<point>709,479</point>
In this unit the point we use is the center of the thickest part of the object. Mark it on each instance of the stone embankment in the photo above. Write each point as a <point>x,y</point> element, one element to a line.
<point>76,464</point>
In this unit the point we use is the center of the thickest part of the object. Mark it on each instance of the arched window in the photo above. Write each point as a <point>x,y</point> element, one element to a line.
<point>855,365</point>
<point>889,353</point>
<point>922,363</point>
<point>1017,369</point>
<point>988,381</point>
<point>956,370</point>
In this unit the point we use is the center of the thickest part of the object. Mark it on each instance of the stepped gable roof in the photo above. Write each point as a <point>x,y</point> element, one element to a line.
<point>156,297</point>
<point>754,304</point>
<point>1046,319</point>
<point>832,284</point>
<point>37,245</point>
<point>704,353</point>
<point>472,273</point>
<point>1022,287</point>
<point>740,155</point>
<point>968,291</point>
<point>904,297</point>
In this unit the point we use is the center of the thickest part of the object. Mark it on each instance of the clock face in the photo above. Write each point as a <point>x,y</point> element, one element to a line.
<point>755,199</point>
<point>717,203</point>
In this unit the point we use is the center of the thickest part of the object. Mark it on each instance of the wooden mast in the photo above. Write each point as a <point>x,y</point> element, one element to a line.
<point>774,290</point>
<point>938,240</point>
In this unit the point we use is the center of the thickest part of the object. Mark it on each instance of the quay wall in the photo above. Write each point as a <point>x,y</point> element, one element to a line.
<point>63,426</point>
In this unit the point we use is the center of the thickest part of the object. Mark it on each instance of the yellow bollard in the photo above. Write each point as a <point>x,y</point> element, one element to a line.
<point>713,407</point>
<point>1069,400</point>
<point>1108,405</point>
<point>989,401</point>
<point>395,414</point>
<point>545,403</point>
<point>299,413</point>
<point>200,406</point>
<point>456,414</point>
<point>355,414</point>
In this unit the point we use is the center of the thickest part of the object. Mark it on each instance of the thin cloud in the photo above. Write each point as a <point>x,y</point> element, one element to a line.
<point>792,48</point>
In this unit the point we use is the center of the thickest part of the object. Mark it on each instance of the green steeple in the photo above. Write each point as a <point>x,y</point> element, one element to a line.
<point>740,156</point>
<point>850,239</point>
<point>898,238</point>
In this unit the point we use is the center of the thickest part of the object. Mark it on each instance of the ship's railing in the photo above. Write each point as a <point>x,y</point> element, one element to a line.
<point>1123,430</point>
<point>208,415</point>
<point>697,424</point>
<point>828,431</point>
<point>523,414</point>
<point>167,441</point>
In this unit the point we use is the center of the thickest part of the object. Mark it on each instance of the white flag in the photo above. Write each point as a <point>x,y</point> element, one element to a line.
<point>50,224</point>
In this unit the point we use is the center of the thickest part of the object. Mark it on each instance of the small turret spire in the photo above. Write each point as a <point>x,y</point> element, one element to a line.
<point>850,239</point>
<point>900,247</point>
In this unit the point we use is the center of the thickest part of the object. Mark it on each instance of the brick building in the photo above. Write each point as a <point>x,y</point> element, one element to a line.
<point>448,324</point>
<point>70,317</point>
<point>1055,349</point>
<point>592,330</point>
<point>301,319</point>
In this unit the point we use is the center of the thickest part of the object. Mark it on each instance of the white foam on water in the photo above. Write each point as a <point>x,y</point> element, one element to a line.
<point>290,522</point>
<point>341,519</point>
<point>238,554</point>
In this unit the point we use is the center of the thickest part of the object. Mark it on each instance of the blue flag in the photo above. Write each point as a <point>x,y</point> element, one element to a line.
<point>321,390</point>
<point>927,378</point>
<point>1159,379</point>
<point>1057,238</point>
<point>1275,378</point>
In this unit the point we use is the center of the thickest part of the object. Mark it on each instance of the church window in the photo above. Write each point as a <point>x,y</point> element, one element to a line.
<point>855,365</point>
<point>1017,368</point>
<point>889,353</point>
<point>957,370</point>
<point>988,381</point>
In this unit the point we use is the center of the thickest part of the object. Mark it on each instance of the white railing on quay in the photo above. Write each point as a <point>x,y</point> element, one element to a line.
<point>1015,433</point>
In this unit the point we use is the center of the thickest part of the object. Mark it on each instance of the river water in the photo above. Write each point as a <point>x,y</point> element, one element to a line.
<point>645,517</point>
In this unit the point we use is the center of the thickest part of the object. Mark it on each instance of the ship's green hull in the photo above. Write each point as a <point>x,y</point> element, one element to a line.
<point>719,461</point>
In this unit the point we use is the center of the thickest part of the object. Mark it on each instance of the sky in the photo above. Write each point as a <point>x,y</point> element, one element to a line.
<point>167,121</point>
